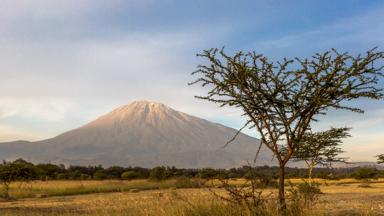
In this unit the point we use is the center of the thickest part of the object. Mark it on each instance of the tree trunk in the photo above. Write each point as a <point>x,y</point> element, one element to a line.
<point>283,205</point>
<point>310,168</point>
<point>6,191</point>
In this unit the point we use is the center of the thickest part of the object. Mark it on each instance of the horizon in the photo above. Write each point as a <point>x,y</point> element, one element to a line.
<point>65,63</point>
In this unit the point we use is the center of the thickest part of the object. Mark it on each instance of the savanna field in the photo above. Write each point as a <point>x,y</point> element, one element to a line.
<point>174,197</point>
<point>191,108</point>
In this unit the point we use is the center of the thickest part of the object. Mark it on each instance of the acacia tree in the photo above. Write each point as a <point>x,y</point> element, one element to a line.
<point>380,158</point>
<point>282,99</point>
<point>320,148</point>
<point>14,171</point>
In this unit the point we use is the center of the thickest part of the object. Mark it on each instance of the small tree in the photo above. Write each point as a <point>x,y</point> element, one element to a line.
<point>99,175</point>
<point>282,99</point>
<point>129,175</point>
<point>15,171</point>
<point>380,158</point>
<point>320,148</point>
<point>365,173</point>
<point>158,173</point>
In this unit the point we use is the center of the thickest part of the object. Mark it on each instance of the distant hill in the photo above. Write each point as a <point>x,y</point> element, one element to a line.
<point>143,134</point>
<point>360,164</point>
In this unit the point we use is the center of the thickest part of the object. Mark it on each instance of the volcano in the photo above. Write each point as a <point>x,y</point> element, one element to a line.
<point>145,134</point>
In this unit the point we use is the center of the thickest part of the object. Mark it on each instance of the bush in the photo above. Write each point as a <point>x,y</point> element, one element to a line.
<point>207,173</point>
<point>185,182</point>
<point>99,175</point>
<point>365,173</point>
<point>263,180</point>
<point>84,176</point>
<point>18,170</point>
<point>129,175</point>
<point>62,176</point>
<point>303,195</point>
<point>158,174</point>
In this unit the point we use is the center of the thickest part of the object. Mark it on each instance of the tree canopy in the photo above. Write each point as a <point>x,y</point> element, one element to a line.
<point>380,158</point>
<point>321,147</point>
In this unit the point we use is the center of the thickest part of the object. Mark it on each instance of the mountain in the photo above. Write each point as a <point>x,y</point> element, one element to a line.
<point>355,164</point>
<point>143,134</point>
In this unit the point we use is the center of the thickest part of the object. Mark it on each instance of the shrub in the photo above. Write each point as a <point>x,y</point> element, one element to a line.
<point>84,176</point>
<point>303,195</point>
<point>365,173</point>
<point>99,175</point>
<point>158,174</point>
<point>207,173</point>
<point>129,175</point>
<point>185,182</point>
<point>18,170</point>
<point>62,176</point>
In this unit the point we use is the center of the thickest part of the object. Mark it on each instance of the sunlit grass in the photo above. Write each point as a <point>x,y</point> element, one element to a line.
<point>343,197</point>
<point>65,188</point>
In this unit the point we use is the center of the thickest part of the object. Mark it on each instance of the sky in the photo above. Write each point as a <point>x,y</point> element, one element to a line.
<point>63,63</point>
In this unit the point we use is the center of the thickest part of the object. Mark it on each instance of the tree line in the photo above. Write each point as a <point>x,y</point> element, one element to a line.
<point>21,170</point>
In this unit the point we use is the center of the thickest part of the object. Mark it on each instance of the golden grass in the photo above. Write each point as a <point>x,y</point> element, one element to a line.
<point>340,198</point>
<point>64,188</point>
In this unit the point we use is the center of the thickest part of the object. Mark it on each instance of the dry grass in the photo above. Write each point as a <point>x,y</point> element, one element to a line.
<point>65,188</point>
<point>340,198</point>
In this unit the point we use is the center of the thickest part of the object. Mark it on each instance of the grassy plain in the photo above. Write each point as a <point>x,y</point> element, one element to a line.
<point>142,197</point>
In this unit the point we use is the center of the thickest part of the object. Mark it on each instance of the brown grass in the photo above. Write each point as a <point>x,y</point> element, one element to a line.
<point>340,198</point>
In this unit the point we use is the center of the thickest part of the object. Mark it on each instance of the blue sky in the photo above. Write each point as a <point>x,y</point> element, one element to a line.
<point>65,62</point>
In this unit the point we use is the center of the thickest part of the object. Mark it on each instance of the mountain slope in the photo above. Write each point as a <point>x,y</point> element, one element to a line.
<point>143,134</point>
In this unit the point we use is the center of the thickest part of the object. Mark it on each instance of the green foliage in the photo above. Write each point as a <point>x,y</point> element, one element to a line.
<point>19,170</point>
<point>49,171</point>
<point>129,175</point>
<point>321,147</point>
<point>265,175</point>
<point>282,99</point>
<point>365,173</point>
<point>114,172</point>
<point>263,180</point>
<point>62,176</point>
<point>158,173</point>
<point>207,173</point>
<point>99,175</point>
<point>84,176</point>
<point>380,158</point>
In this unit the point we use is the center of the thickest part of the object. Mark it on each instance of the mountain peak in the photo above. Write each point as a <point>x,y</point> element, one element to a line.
<point>138,112</point>
<point>142,105</point>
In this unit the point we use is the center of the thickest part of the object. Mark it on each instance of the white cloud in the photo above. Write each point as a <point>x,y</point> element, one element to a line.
<point>47,109</point>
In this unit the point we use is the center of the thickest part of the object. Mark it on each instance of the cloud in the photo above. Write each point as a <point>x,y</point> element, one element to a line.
<point>45,82</point>
<point>49,109</point>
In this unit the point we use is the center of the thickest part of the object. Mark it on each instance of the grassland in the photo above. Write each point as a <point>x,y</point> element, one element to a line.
<point>142,197</point>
